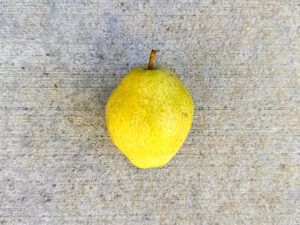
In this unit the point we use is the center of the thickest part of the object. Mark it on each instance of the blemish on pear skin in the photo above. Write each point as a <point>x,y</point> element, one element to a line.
<point>185,114</point>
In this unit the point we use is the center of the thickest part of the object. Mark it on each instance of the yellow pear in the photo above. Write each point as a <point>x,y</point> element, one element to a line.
<point>149,115</point>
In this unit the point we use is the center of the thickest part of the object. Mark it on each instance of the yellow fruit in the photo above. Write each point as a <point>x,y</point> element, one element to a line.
<point>149,115</point>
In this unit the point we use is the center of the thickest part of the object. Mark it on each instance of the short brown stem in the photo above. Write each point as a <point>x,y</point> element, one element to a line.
<point>152,56</point>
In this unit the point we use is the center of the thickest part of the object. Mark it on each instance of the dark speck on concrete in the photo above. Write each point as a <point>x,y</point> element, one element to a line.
<point>282,166</point>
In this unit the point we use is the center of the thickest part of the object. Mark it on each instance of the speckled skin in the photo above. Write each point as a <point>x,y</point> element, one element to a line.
<point>149,116</point>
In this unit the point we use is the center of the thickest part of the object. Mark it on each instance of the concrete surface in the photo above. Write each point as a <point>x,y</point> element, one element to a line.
<point>59,63</point>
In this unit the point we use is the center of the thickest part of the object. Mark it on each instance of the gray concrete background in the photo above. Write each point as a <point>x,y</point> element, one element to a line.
<point>59,63</point>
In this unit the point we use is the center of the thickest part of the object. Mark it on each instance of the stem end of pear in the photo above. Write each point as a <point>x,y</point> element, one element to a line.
<point>151,60</point>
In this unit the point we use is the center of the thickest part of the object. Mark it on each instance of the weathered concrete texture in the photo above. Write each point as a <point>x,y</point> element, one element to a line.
<point>59,63</point>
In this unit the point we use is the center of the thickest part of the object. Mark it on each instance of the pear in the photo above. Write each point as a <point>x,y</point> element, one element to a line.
<point>149,115</point>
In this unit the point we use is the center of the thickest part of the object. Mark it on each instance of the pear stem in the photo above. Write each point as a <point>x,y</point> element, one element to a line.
<point>152,56</point>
